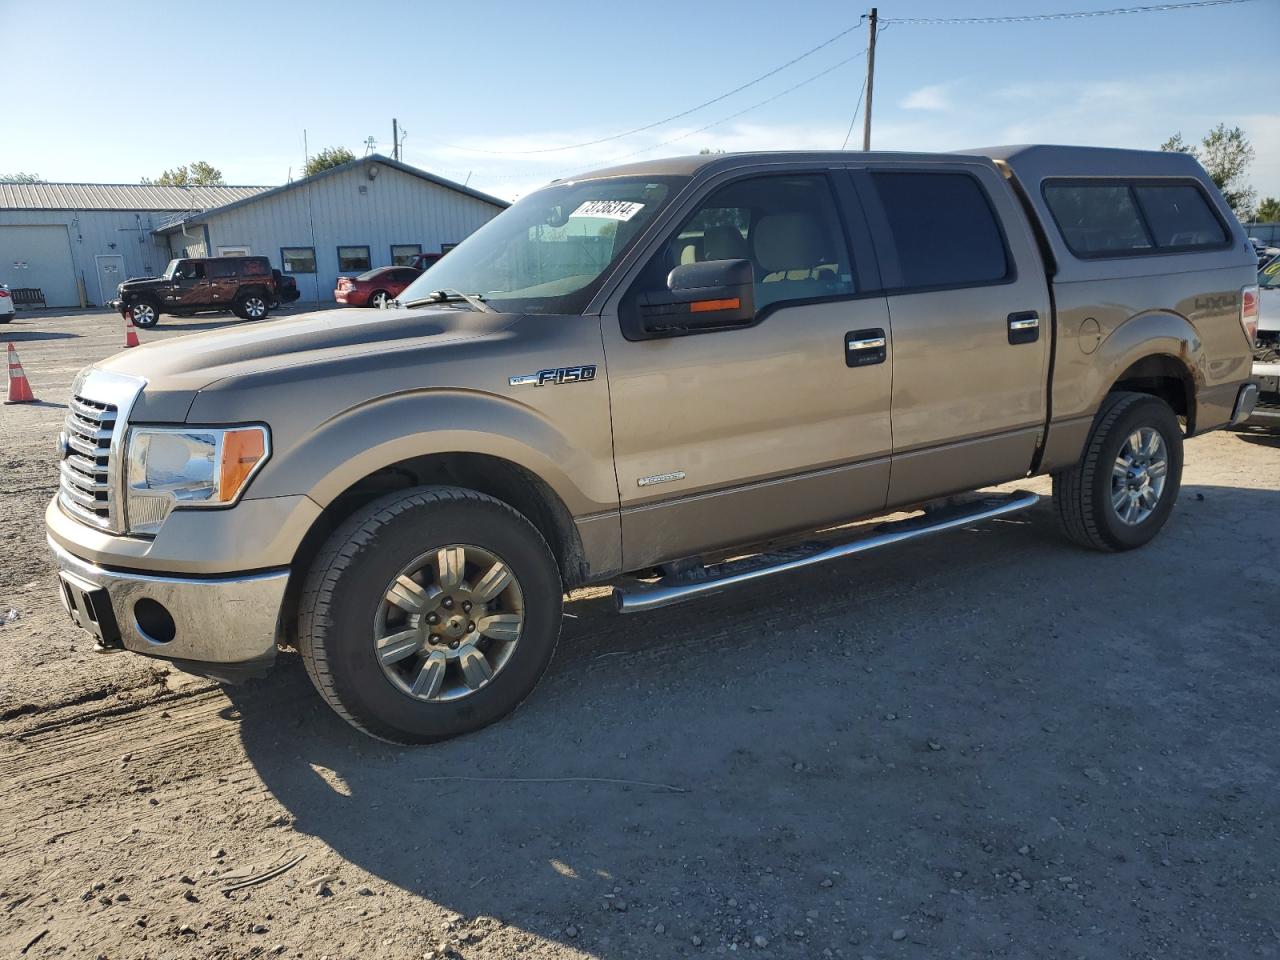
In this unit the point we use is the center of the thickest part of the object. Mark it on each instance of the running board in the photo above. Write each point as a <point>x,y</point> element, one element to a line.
<point>717,577</point>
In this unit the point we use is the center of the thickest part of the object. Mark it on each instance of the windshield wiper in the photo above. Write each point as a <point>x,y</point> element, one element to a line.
<point>448,294</point>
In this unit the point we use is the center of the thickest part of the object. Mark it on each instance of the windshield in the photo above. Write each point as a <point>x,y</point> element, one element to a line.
<point>550,251</point>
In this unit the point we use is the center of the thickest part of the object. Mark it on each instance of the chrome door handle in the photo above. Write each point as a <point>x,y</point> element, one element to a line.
<point>862,348</point>
<point>867,343</point>
<point>1024,327</point>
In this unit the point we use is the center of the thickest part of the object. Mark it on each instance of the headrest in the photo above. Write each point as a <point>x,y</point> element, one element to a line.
<point>788,241</point>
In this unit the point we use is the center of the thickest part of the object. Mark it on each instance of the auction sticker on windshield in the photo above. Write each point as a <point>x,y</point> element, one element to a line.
<point>609,209</point>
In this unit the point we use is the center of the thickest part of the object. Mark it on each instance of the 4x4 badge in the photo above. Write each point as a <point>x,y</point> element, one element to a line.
<point>556,375</point>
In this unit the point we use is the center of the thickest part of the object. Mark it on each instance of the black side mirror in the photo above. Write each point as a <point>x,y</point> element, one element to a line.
<point>713,295</point>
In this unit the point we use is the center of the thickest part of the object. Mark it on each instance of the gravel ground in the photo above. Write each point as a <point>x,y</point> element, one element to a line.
<point>987,744</point>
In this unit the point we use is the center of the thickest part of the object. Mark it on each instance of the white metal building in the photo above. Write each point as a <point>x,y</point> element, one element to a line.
<point>371,212</point>
<point>57,236</point>
<point>69,238</point>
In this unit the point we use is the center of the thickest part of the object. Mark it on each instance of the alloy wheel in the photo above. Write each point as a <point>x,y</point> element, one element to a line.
<point>448,623</point>
<point>255,307</point>
<point>1138,477</point>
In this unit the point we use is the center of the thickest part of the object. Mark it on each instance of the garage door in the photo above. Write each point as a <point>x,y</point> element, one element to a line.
<point>39,256</point>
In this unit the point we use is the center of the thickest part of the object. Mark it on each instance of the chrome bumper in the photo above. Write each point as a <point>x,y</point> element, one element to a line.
<point>215,620</point>
<point>1246,400</point>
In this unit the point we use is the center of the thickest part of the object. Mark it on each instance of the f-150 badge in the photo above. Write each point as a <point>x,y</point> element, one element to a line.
<point>555,375</point>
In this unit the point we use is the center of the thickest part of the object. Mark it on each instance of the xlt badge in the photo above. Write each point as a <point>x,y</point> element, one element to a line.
<point>556,375</point>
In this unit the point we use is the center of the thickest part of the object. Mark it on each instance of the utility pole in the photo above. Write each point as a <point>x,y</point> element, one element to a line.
<point>871,78</point>
<point>395,139</point>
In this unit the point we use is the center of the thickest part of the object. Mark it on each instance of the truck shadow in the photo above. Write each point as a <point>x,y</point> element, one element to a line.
<point>854,740</point>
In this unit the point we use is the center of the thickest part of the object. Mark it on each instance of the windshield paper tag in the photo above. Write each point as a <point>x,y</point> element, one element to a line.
<point>609,209</point>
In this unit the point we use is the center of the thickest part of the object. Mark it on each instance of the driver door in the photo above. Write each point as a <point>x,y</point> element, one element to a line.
<point>190,288</point>
<point>740,434</point>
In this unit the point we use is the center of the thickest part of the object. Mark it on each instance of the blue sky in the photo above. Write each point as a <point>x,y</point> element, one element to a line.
<point>112,92</point>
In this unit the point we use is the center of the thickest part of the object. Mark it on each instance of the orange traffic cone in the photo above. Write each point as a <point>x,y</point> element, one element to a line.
<point>130,331</point>
<point>19,388</point>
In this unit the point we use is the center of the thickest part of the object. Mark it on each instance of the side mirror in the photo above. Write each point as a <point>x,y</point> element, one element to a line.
<point>713,295</point>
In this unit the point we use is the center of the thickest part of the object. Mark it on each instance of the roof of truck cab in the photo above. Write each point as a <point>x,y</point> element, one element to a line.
<point>1028,161</point>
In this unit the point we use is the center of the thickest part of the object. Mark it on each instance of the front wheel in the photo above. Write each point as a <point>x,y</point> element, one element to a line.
<point>1123,489</point>
<point>145,314</point>
<point>252,306</point>
<point>430,613</point>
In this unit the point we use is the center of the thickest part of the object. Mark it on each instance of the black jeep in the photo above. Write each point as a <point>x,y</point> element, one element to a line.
<point>244,285</point>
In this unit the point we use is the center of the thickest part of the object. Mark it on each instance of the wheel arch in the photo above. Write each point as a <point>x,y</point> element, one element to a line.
<point>502,479</point>
<point>1156,353</point>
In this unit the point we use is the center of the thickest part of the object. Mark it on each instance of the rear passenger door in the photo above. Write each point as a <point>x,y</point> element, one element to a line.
<point>223,280</point>
<point>970,312</point>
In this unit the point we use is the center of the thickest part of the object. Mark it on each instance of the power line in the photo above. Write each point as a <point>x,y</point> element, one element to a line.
<point>1074,15</point>
<point>854,119</point>
<point>675,116</point>
<point>734,116</point>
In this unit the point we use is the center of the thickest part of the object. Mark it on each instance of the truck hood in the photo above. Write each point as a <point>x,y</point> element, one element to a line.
<point>321,343</point>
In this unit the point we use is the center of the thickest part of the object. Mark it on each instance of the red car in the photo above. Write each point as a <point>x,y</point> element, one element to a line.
<point>374,288</point>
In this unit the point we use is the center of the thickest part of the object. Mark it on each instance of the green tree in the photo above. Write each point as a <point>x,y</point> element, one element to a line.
<point>1225,153</point>
<point>20,178</point>
<point>198,174</point>
<point>326,158</point>
<point>1268,210</point>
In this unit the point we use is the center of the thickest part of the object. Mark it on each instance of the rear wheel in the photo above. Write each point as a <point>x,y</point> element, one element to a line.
<point>1123,489</point>
<point>430,613</point>
<point>252,306</point>
<point>145,314</point>
<point>379,299</point>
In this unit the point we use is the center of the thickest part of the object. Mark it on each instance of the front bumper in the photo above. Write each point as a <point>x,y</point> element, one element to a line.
<point>198,622</point>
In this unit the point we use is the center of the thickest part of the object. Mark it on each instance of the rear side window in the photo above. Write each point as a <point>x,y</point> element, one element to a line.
<point>1120,218</point>
<point>943,230</point>
<point>1179,216</point>
<point>256,267</point>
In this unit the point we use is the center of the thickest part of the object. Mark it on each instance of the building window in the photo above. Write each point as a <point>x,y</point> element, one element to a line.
<point>353,258</point>
<point>402,254</point>
<point>298,259</point>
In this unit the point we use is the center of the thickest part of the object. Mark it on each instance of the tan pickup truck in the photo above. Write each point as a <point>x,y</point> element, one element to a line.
<point>653,375</point>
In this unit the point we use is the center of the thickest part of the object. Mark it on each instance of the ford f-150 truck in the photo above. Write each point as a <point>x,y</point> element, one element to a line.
<point>667,375</point>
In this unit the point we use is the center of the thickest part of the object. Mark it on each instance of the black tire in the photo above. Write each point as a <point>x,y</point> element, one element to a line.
<point>373,298</point>
<point>146,314</point>
<point>1082,495</point>
<point>252,306</point>
<point>6,318</point>
<point>350,577</point>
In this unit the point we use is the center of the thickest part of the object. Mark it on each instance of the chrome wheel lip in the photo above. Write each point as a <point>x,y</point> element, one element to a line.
<point>1139,476</point>
<point>478,607</point>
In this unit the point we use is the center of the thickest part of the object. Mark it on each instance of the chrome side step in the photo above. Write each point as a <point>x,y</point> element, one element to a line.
<point>715,578</point>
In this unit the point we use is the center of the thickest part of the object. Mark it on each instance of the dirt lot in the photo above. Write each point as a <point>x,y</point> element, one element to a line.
<point>989,744</point>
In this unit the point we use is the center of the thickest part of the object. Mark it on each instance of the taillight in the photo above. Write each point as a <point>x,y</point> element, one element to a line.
<point>4,293</point>
<point>1249,312</point>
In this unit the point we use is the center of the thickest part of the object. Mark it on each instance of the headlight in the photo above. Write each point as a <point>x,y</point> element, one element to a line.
<point>188,467</point>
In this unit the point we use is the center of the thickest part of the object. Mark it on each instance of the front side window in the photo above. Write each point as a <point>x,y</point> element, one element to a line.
<point>787,226</point>
<point>298,260</point>
<point>1117,218</point>
<point>943,229</point>
<point>402,254</point>
<point>353,258</point>
<point>551,251</point>
<point>220,269</point>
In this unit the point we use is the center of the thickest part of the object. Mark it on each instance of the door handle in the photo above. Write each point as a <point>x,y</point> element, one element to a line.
<point>862,348</point>
<point>1024,327</point>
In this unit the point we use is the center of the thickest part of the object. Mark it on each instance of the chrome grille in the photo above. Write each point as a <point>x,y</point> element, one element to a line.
<point>85,482</point>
